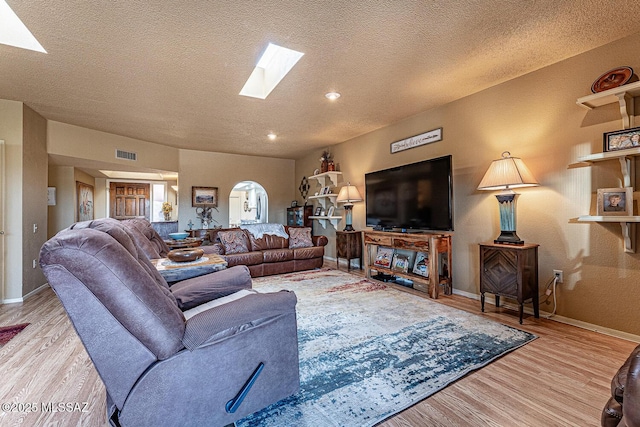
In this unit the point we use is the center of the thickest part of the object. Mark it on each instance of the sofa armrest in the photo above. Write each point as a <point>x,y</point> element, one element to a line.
<point>215,248</point>
<point>205,326</point>
<point>319,240</point>
<point>198,290</point>
<point>631,397</point>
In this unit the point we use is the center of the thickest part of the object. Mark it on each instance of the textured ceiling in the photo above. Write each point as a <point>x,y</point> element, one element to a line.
<point>170,71</point>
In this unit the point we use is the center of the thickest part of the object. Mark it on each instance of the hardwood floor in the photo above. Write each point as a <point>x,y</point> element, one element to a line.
<point>560,379</point>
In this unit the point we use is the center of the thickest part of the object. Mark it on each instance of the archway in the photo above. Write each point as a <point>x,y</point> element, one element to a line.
<point>248,204</point>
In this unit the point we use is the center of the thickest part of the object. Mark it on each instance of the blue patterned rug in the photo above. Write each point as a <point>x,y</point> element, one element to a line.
<point>368,351</point>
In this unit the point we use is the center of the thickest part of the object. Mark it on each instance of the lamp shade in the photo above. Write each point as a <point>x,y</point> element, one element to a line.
<point>507,172</point>
<point>349,194</point>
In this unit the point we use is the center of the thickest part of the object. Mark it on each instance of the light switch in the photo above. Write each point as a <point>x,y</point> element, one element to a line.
<point>35,228</point>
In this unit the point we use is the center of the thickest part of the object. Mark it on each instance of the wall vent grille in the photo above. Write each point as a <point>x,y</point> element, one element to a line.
<point>126,155</point>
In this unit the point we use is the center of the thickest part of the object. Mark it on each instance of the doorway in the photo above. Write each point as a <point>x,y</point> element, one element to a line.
<point>248,204</point>
<point>129,200</point>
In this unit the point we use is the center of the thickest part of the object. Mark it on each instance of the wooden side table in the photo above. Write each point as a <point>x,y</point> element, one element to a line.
<point>349,246</point>
<point>510,271</point>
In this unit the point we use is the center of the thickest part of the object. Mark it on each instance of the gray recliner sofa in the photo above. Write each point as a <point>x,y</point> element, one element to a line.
<point>162,366</point>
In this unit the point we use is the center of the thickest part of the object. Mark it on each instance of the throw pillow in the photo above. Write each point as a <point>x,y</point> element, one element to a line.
<point>234,241</point>
<point>300,237</point>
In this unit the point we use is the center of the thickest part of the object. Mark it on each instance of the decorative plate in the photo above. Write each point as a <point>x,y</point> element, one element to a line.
<point>612,78</point>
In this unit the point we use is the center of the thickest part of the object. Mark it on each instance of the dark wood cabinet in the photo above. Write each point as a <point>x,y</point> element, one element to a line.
<point>299,216</point>
<point>510,271</point>
<point>349,246</point>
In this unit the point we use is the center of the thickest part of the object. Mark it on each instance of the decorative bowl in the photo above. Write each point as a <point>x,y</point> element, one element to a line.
<point>178,236</point>
<point>184,255</point>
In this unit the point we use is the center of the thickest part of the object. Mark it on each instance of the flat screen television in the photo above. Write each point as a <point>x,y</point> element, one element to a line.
<point>418,196</point>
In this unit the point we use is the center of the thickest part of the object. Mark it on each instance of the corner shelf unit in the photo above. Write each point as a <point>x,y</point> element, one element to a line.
<point>326,179</point>
<point>624,96</point>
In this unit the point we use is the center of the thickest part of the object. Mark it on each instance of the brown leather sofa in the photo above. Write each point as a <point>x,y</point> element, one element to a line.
<point>270,254</point>
<point>623,408</point>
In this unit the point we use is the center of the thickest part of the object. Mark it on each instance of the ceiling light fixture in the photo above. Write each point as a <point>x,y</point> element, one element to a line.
<point>14,33</point>
<point>272,136</point>
<point>332,96</point>
<point>274,64</point>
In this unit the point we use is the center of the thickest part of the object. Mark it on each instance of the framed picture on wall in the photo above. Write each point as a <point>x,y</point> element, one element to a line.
<point>204,197</point>
<point>84,201</point>
<point>615,201</point>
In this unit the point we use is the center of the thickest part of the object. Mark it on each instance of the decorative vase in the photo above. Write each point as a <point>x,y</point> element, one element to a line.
<point>331,166</point>
<point>324,166</point>
<point>167,216</point>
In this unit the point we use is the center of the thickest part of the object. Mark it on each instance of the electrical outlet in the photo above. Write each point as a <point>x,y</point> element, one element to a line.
<point>558,275</point>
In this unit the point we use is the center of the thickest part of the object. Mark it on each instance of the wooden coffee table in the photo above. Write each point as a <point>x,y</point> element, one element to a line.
<point>177,271</point>
<point>189,242</point>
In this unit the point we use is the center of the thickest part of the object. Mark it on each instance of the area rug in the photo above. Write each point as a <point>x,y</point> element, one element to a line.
<point>369,351</point>
<point>8,332</point>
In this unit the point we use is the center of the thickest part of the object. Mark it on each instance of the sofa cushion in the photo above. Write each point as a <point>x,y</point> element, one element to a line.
<point>300,237</point>
<point>268,241</point>
<point>234,241</point>
<point>308,253</point>
<point>248,258</point>
<point>277,255</point>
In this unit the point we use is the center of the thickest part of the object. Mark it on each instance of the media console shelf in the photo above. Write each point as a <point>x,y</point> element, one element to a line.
<point>436,245</point>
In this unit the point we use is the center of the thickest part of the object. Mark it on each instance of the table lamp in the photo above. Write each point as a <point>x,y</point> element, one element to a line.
<point>348,195</point>
<point>505,174</point>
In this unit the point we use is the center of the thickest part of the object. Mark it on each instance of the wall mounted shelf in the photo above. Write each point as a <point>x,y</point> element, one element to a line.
<point>623,95</point>
<point>627,224</point>
<point>331,176</point>
<point>333,220</point>
<point>326,179</point>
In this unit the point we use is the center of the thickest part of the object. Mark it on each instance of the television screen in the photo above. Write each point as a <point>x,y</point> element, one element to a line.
<point>418,196</point>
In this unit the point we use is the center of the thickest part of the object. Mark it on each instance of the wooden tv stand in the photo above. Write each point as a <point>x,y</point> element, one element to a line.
<point>436,244</point>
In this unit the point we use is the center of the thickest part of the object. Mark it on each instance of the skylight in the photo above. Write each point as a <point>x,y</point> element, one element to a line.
<point>275,63</point>
<point>14,33</point>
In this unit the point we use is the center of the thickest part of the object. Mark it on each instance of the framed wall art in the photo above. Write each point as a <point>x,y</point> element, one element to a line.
<point>204,197</point>
<point>615,201</point>
<point>621,139</point>
<point>84,201</point>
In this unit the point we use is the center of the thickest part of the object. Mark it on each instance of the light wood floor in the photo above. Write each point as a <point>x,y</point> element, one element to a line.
<point>560,379</point>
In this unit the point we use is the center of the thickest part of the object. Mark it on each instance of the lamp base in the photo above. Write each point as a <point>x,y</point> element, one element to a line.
<point>508,238</point>
<point>349,227</point>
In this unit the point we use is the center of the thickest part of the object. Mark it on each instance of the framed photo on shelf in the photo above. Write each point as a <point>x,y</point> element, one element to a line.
<point>318,211</point>
<point>615,201</point>
<point>384,256</point>
<point>421,266</point>
<point>621,139</point>
<point>400,263</point>
<point>331,210</point>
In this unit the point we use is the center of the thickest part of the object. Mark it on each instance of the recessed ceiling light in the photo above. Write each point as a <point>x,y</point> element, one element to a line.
<point>272,136</point>
<point>332,96</point>
<point>14,33</point>
<point>274,64</point>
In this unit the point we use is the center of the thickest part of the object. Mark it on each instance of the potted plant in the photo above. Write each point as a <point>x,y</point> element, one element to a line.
<point>166,210</point>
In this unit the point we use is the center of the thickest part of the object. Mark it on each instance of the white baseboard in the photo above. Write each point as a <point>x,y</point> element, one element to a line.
<point>561,319</point>
<point>27,296</point>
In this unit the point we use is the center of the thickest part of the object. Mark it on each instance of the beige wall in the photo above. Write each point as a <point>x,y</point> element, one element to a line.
<point>535,117</point>
<point>63,213</point>
<point>204,169</point>
<point>11,132</point>
<point>34,201</point>
<point>77,142</point>
<point>24,133</point>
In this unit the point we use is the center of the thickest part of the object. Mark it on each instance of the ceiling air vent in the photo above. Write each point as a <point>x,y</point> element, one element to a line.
<point>126,155</point>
